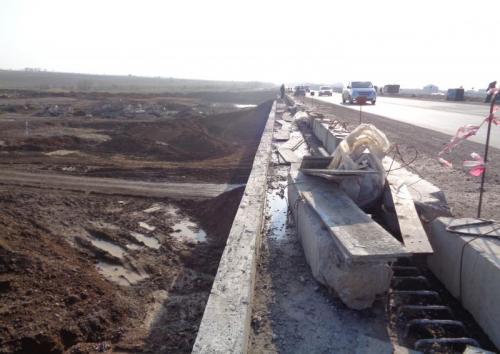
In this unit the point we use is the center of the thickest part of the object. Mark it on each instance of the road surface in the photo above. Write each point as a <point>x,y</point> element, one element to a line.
<point>444,117</point>
<point>114,186</point>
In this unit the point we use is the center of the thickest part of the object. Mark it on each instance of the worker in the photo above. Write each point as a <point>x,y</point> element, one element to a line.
<point>282,90</point>
<point>489,91</point>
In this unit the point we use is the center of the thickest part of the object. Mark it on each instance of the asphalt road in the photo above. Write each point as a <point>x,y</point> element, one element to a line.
<point>444,117</point>
<point>114,186</point>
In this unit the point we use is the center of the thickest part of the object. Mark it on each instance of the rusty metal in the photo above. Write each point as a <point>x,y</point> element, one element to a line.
<point>417,278</point>
<point>486,149</point>
<point>426,322</point>
<point>424,308</point>
<point>429,293</point>
<point>430,341</point>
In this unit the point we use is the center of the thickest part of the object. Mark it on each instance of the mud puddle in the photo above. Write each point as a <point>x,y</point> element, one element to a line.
<point>119,274</point>
<point>148,241</point>
<point>109,247</point>
<point>187,230</point>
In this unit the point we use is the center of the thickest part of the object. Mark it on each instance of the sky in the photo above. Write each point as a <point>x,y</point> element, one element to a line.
<point>411,43</point>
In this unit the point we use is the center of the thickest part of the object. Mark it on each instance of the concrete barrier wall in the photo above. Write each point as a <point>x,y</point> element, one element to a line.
<point>225,327</point>
<point>480,293</point>
<point>430,201</point>
<point>329,140</point>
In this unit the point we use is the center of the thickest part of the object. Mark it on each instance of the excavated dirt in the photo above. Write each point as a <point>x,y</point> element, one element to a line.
<point>85,273</point>
<point>82,273</point>
<point>148,138</point>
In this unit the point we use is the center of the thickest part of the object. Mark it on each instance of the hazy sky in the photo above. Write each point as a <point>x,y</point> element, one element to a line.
<point>448,43</point>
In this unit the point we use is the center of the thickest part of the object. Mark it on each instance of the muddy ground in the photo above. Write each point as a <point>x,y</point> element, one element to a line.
<point>144,137</point>
<point>84,273</point>
<point>418,149</point>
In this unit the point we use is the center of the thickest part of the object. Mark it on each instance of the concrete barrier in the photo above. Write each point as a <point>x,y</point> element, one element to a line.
<point>225,326</point>
<point>430,201</point>
<point>329,139</point>
<point>479,288</point>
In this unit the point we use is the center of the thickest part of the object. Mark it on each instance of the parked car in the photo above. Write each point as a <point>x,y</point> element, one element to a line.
<point>325,91</point>
<point>357,89</point>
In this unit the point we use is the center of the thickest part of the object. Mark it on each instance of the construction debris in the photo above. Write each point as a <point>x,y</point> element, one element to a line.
<point>363,149</point>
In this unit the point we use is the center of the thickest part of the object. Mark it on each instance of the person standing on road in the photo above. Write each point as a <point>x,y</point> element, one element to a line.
<point>489,93</point>
<point>282,90</point>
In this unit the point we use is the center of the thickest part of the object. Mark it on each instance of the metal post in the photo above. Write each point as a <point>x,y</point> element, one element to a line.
<point>486,148</point>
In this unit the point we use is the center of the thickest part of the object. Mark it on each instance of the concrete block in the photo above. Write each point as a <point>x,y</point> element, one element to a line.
<point>479,291</point>
<point>430,201</point>
<point>225,326</point>
<point>358,284</point>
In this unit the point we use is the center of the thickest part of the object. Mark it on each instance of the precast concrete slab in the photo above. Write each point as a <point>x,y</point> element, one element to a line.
<point>356,281</point>
<point>429,200</point>
<point>469,267</point>
<point>225,326</point>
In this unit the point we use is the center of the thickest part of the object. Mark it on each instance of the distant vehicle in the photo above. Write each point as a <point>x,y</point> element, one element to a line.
<point>356,89</point>
<point>299,91</point>
<point>325,91</point>
<point>307,89</point>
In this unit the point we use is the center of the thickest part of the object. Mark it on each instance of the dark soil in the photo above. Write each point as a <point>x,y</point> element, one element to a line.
<point>60,289</point>
<point>53,300</point>
<point>110,139</point>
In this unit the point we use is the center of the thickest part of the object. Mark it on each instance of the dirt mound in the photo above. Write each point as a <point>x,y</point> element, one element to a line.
<point>239,126</point>
<point>173,140</point>
<point>40,143</point>
<point>51,297</point>
<point>210,211</point>
<point>54,297</point>
<point>190,139</point>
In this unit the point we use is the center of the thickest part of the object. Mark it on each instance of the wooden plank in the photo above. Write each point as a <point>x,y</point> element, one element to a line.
<point>357,236</point>
<point>281,135</point>
<point>318,171</point>
<point>414,236</point>
<point>287,117</point>
<point>293,143</point>
<point>288,155</point>
<point>284,125</point>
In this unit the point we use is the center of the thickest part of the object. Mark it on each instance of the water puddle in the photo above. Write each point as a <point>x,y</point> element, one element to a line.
<point>153,208</point>
<point>187,230</point>
<point>147,226</point>
<point>62,153</point>
<point>119,274</point>
<point>109,247</point>
<point>277,209</point>
<point>148,241</point>
<point>133,247</point>
<point>245,105</point>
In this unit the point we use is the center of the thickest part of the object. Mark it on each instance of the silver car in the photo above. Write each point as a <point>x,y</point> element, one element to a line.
<point>357,91</point>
